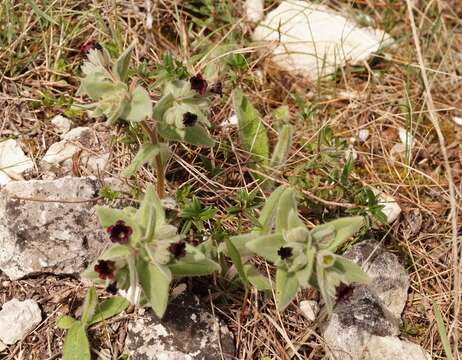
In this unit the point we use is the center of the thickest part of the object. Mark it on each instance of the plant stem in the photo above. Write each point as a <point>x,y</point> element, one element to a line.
<point>160,171</point>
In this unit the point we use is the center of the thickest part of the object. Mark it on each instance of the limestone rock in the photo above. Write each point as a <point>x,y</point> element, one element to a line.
<point>389,280</point>
<point>314,40</point>
<point>187,332</point>
<point>61,123</point>
<point>51,235</point>
<point>17,319</point>
<point>13,161</point>
<point>310,309</point>
<point>254,10</point>
<point>365,325</point>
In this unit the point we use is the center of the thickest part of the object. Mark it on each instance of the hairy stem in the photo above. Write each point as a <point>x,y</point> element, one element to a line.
<point>160,171</point>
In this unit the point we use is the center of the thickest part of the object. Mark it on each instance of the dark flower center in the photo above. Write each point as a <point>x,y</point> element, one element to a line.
<point>105,269</point>
<point>120,232</point>
<point>178,250</point>
<point>285,252</point>
<point>217,88</point>
<point>189,119</point>
<point>112,288</point>
<point>344,292</point>
<point>199,84</point>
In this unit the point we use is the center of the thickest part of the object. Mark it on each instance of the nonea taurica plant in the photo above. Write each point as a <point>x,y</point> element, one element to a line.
<point>303,257</point>
<point>179,115</point>
<point>147,253</point>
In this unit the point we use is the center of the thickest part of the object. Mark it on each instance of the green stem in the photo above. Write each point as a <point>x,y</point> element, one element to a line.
<point>160,171</point>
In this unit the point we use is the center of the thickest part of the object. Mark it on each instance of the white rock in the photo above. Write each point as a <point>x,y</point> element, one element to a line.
<point>392,348</point>
<point>66,148</point>
<point>56,235</point>
<point>61,123</point>
<point>254,10</point>
<point>314,40</point>
<point>390,207</point>
<point>310,309</point>
<point>458,120</point>
<point>17,318</point>
<point>2,346</point>
<point>13,161</point>
<point>363,135</point>
<point>231,121</point>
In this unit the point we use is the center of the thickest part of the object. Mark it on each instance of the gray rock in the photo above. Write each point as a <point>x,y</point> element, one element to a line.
<point>389,280</point>
<point>354,322</point>
<point>51,235</point>
<point>365,325</point>
<point>187,332</point>
<point>17,319</point>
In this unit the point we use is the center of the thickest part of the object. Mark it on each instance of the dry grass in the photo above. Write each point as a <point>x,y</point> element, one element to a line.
<point>39,64</point>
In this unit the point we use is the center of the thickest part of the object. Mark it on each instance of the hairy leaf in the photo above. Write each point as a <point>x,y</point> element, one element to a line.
<point>65,322</point>
<point>286,288</point>
<point>266,246</point>
<point>343,229</point>
<point>115,252</point>
<point>89,306</point>
<point>76,346</point>
<point>237,261</point>
<point>140,106</point>
<point>146,153</point>
<point>282,148</point>
<point>109,308</point>
<point>252,132</point>
<point>120,67</point>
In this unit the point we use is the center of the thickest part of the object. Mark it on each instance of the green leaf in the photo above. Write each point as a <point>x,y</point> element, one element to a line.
<point>282,148</point>
<point>344,228</point>
<point>95,85</point>
<point>41,13</point>
<point>237,261</point>
<point>161,107</point>
<point>109,308</point>
<point>286,288</point>
<point>287,203</point>
<point>65,322</point>
<point>442,330</point>
<point>146,153</point>
<point>268,213</point>
<point>252,132</point>
<point>76,346</point>
<point>256,278</point>
<point>89,306</point>
<point>351,272</point>
<point>239,242</point>
<point>115,252</point>
<point>140,106</point>
<point>155,282</point>
<point>197,135</point>
<point>144,214</point>
<point>266,246</point>
<point>195,263</point>
<point>120,67</point>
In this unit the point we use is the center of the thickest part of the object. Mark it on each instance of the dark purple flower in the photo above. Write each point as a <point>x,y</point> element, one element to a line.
<point>112,288</point>
<point>285,252</point>
<point>343,292</point>
<point>189,119</point>
<point>199,84</point>
<point>90,45</point>
<point>217,88</point>
<point>120,232</point>
<point>105,269</point>
<point>178,249</point>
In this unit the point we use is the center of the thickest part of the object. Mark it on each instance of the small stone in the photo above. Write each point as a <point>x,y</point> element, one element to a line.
<point>72,142</point>
<point>390,207</point>
<point>310,309</point>
<point>363,135</point>
<point>60,234</point>
<point>2,346</point>
<point>17,319</point>
<point>254,10</point>
<point>13,162</point>
<point>187,332</point>
<point>406,138</point>
<point>61,123</point>
<point>231,121</point>
<point>458,120</point>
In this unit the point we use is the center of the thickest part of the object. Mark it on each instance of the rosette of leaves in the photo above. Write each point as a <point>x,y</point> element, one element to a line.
<point>303,258</point>
<point>106,83</point>
<point>147,252</point>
